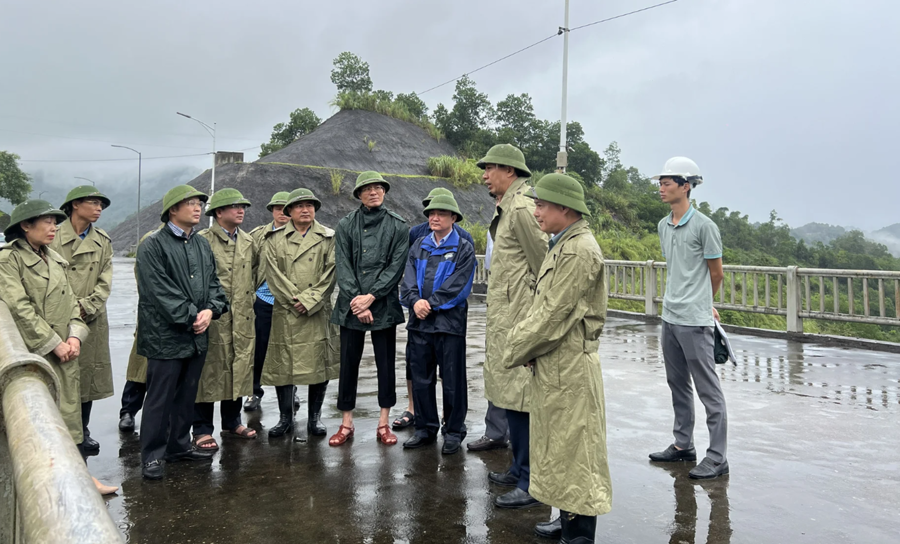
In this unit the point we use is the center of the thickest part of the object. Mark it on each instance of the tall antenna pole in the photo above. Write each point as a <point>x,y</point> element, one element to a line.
<point>562,158</point>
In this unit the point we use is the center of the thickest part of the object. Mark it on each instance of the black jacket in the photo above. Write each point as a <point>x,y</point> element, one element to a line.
<point>176,280</point>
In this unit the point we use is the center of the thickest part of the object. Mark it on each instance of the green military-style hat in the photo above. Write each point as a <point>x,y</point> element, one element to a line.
<point>435,192</point>
<point>560,189</point>
<point>301,194</point>
<point>83,191</point>
<point>278,199</point>
<point>446,203</point>
<point>223,198</point>
<point>506,155</point>
<point>30,209</point>
<point>368,178</point>
<point>176,195</point>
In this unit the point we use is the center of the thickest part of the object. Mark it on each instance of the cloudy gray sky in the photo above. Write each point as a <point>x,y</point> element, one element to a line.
<point>785,104</point>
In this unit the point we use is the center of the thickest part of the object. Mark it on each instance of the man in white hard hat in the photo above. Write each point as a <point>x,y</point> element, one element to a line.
<point>692,247</point>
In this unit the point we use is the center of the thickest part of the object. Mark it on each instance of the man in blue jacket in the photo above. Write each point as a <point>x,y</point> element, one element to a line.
<point>422,230</point>
<point>438,279</point>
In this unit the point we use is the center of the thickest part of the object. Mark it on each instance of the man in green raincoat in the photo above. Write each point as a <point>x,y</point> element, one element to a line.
<point>559,341</point>
<point>228,371</point>
<point>88,250</point>
<point>263,305</point>
<point>519,249</point>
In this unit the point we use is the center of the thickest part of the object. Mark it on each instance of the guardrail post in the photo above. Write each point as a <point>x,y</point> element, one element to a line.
<point>649,289</point>
<point>794,321</point>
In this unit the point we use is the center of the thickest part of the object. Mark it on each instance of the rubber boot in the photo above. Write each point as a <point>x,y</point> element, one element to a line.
<point>314,424</point>
<point>577,529</point>
<point>285,425</point>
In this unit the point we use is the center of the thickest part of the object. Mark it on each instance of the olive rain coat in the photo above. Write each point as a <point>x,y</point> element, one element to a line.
<point>304,348</point>
<point>228,370</point>
<point>370,255</point>
<point>569,467</point>
<point>519,249</point>
<point>261,236</point>
<point>137,364</point>
<point>46,312</point>
<point>176,280</point>
<point>90,276</point>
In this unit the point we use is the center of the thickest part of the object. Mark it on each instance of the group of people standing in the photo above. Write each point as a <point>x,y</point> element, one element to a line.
<point>222,312</point>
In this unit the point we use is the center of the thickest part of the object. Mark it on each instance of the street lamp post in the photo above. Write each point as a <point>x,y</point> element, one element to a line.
<point>562,158</point>
<point>212,132</point>
<point>86,179</point>
<point>138,239</point>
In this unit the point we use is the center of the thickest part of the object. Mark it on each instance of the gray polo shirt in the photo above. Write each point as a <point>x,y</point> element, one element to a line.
<point>686,247</point>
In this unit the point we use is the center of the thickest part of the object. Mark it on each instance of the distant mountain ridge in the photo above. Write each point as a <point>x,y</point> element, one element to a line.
<point>812,233</point>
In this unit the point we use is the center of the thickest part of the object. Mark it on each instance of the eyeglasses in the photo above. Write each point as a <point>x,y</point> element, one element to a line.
<point>93,202</point>
<point>193,203</point>
<point>373,188</point>
<point>237,206</point>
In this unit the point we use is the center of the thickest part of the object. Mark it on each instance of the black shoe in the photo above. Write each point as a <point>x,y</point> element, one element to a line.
<point>672,453</point>
<point>252,403</point>
<point>576,529</point>
<point>152,470</point>
<point>516,499</point>
<point>314,426</point>
<point>549,529</point>
<point>503,478</point>
<point>450,446</point>
<point>126,422</point>
<point>418,441</point>
<point>708,469</point>
<point>284,426</point>
<point>484,444</point>
<point>190,455</point>
<point>90,446</point>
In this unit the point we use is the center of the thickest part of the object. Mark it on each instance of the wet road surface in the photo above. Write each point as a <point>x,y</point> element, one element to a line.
<point>814,451</point>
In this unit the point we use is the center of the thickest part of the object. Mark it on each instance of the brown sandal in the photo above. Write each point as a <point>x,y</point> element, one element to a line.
<point>246,432</point>
<point>206,444</point>
<point>387,437</point>
<point>339,437</point>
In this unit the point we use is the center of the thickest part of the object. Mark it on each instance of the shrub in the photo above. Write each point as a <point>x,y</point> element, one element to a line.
<point>336,178</point>
<point>383,104</point>
<point>479,234</point>
<point>461,172</point>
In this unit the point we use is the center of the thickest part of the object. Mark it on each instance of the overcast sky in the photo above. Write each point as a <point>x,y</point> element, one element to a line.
<point>785,104</point>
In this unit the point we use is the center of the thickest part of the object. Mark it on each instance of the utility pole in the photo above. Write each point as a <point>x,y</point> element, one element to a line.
<point>137,240</point>
<point>562,158</point>
<point>212,132</point>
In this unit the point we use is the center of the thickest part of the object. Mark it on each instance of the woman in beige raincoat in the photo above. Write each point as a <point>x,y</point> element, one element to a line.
<point>88,251</point>
<point>304,344</point>
<point>34,286</point>
<point>559,341</point>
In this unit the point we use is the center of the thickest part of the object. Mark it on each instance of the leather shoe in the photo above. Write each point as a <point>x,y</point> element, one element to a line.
<point>549,529</point>
<point>672,453</point>
<point>418,441</point>
<point>708,469</point>
<point>152,470</point>
<point>284,426</point>
<point>450,447</point>
<point>190,455</point>
<point>503,478</point>
<point>90,446</point>
<point>516,499</point>
<point>484,444</point>
<point>126,422</point>
<point>252,403</point>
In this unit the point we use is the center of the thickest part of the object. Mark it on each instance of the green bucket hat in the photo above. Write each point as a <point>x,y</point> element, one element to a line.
<point>560,189</point>
<point>446,203</point>
<point>30,209</point>
<point>225,197</point>
<point>435,192</point>
<point>506,155</point>
<point>301,194</point>
<point>368,178</point>
<point>278,199</point>
<point>83,191</point>
<point>176,195</point>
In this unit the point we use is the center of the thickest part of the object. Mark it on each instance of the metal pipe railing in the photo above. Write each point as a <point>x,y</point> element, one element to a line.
<point>46,493</point>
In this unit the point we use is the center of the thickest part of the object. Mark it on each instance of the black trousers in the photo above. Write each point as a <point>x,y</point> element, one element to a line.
<point>519,435</point>
<point>86,417</point>
<point>263,325</point>
<point>384,343</point>
<point>169,407</point>
<point>132,398</point>
<point>229,410</point>
<point>427,353</point>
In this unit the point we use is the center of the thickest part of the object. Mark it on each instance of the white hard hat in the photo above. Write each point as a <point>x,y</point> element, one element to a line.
<point>681,167</point>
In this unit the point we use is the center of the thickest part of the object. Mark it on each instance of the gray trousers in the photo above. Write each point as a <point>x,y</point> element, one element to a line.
<point>496,426</point>
<point>688,353</point>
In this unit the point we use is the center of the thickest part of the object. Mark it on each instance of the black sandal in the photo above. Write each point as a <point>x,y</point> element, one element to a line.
<point>404,421</point>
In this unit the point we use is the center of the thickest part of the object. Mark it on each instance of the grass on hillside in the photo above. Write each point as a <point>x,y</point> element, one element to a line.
<point>377,104</point>
<point>461,172</point>
<point>336,178</point>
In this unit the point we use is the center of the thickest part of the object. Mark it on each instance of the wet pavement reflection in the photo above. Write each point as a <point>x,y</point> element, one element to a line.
<point>814,450</point>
